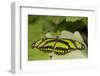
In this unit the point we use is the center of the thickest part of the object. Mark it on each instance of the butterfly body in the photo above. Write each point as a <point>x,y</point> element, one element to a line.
<point>59,46</point>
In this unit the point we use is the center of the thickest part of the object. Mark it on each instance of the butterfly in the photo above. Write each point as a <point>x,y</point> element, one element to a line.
<point>59,46</point>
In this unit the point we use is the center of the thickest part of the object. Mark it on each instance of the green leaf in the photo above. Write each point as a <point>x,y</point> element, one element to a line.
<point>55,19</point>
<point>85,20</point>
<point>72,18</point>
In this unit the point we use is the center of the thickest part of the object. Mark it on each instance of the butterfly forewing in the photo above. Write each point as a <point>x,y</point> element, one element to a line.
<point>71,43</point>
<point>43,42</point>
<point>47,45</point>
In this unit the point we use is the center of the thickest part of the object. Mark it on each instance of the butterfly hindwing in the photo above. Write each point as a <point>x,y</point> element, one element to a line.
<point>70,43</point>
<point>61,51</point>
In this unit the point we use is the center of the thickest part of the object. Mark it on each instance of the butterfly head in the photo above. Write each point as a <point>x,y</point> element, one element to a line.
<point>33,45</point>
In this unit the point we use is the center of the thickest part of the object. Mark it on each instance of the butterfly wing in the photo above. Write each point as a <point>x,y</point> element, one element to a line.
<point>45,44</point>
<point>58,46</point>
<point>74,45</point>
<point>61,48</point>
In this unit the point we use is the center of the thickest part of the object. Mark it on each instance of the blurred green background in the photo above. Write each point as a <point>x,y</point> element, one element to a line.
<point>39,25</point>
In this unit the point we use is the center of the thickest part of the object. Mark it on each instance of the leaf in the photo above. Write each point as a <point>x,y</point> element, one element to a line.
<point>32,18</point>
<point>72,55</point>
<point>51,35</point>
<point>55,19</point>
<point>77,36</point>
<point>66,34</point>
<point>85,20</point>
<point>72,18</point>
